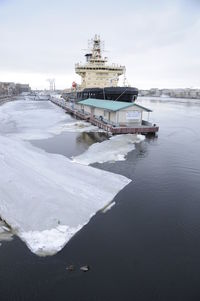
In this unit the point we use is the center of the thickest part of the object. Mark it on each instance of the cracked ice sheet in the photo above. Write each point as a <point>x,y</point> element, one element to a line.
<point>30,120</point>
<point>46,198</point>
<point>114,149</point>
<point>77,126</point>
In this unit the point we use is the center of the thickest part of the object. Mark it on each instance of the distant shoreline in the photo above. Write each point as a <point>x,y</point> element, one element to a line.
<point>170,97</point>
<point>177,100</point>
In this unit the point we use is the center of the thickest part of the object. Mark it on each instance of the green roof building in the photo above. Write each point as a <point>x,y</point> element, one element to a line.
<point>113,112</point>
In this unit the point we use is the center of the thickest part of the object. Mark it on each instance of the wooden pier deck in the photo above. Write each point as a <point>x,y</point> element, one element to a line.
<point>143,129</point>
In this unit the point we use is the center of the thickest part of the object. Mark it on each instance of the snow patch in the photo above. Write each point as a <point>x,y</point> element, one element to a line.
<point>114,149</point>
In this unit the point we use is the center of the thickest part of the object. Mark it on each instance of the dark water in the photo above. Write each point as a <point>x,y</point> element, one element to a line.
<point>148,246</point>
<point>70,144</point>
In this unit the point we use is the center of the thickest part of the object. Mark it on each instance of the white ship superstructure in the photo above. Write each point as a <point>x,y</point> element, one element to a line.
<point>99,79</point>
<point>96,73</point>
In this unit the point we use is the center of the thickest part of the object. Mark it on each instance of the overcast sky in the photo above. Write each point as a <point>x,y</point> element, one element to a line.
<point>158,41</point>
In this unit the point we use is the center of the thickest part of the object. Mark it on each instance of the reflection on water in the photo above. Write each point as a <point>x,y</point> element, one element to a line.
<point>70,144</point>
<point>91,137</point>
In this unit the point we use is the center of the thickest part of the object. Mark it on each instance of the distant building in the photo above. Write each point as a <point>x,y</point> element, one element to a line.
<point>144,93</point>
<point>176,93</point>
<point>10,88</point>
<point>20,88</point>
<point>7,88</point>
<point>155,92</point>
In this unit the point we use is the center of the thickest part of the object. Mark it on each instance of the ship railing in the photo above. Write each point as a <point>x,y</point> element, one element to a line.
<point>80,65</point>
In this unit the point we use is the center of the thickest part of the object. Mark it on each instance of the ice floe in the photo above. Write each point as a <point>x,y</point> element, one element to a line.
<point>77,126</point>
<point>46,198</point>
<point>114,149</point>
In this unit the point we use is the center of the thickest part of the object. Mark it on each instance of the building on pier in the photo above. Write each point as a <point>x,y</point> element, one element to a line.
<point>113,112</point>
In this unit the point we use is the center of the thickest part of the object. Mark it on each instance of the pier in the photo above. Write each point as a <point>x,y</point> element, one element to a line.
<point>145,128</point>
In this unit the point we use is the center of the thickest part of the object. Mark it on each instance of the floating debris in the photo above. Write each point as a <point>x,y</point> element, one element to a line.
<point>70,268</point>
<point>85,268</point>
<point>6,228</point>
<point>5,232</point>
<point>108,207</point>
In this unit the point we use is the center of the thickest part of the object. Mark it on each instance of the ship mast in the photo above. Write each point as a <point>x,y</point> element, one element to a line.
<point>96,50</point>
<point>95,47</point>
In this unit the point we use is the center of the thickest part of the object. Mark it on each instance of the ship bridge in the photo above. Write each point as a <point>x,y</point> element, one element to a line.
<point>95,73</point>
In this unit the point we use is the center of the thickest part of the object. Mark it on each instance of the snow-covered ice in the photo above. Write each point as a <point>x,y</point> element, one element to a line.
<point>40,192</point>
<point>31,120</point>
<point>77,126</point>
<point>114,149</point>
<point>48,242</point>
<point>46,198</point>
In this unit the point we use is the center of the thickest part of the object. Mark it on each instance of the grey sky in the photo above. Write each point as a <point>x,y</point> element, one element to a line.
<point>157,41</point>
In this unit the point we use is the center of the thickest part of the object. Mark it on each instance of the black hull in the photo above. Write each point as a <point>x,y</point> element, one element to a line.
<point>127,94</point>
